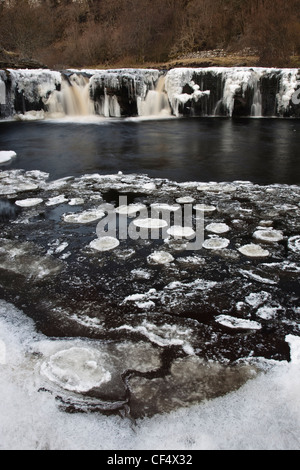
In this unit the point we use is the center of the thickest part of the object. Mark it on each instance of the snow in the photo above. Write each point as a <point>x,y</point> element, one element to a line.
<point>2,352</point>
<point>6,156</point>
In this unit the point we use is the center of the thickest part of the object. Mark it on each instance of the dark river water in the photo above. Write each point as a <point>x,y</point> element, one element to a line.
<point>263,151</point>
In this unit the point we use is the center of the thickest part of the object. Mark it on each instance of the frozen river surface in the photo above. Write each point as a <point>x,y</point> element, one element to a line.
<point>155,322</point>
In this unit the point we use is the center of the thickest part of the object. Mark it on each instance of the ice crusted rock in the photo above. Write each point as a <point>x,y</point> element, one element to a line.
<point>164,207</point>
<point>205,208</point>
<point>6,156</point>
<point>150,223</point>
<point>22,259</point>
<point>30,116</point>
<point>130,210</point>
<point>76,369</point>
<point>55,200</point>
<point>76,201</point>
<point>18,181</point>
<point>294,244</point>
<point>267,313</point>
<point>164,335</point>
<point>253,251</point>
<point>85,217</point>
<point>185,200</point>
<point>30,202</point>
<point>177,231</point>
<point>216,243</point>
<point>217,228</point>
<point>237,323</point>
<point>255,299</point>
<point>104,243</point>
<point>160,257</point>
<point>93,369</point>
<point>191,380</point>
<point>216,187</point>
<point>269,236</point>
<point>141,274</point>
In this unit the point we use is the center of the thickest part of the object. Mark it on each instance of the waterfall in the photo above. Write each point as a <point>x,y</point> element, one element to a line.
<point>73,99</point>
<point>108,106</point>
<point>256,108</point>
<point>156,103</point>
<point>212,91</point>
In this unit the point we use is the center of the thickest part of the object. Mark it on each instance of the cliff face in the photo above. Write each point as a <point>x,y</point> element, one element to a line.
<point>214,91</point>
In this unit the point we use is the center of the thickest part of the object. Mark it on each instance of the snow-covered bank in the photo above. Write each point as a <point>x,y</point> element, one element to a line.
<point>263,414</point>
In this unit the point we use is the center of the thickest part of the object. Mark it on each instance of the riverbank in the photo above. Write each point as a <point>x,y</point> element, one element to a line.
<point>199,59</point>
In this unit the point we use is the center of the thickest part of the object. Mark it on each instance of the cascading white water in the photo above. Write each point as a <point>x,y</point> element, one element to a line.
<point>156,103</point>
<point>72,100</point>
<point>108,106</point>
<point>256,108</point>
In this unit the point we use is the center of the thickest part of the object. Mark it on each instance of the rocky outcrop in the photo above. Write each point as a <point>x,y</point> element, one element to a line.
<point>15,61</point>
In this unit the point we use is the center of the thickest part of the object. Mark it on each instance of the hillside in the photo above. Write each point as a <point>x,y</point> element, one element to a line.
<point>162,33</point>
